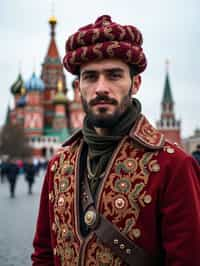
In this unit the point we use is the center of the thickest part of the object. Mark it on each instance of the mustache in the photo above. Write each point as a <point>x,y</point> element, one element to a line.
<point>103,98</point>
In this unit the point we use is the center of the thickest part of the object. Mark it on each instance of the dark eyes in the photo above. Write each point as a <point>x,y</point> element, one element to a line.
<point>111,75</point>
<point>114,75</point>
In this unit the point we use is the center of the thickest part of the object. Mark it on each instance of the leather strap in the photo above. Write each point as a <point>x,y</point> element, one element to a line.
<point>127,250</point>
<point>110,235</point>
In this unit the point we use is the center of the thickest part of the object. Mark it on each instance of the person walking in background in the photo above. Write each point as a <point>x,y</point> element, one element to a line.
<point>30,171</point>
<point>3,170</point>
<point>118,193</point>
<point>12,174</point>
<point>196,154</point>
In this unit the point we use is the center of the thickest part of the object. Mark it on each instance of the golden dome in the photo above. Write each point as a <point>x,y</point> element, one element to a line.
<point>53,20</point>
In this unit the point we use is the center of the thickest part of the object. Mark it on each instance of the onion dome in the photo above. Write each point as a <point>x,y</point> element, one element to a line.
<point>21,101</point>
<point>34,84</point>
<point>60,97</point>
<point>18,84</point>
<point>52,20</point>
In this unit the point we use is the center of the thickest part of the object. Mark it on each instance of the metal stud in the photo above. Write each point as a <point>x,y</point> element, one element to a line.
<point>147,199</point>
<point>136,232</point>
<point>116,241</point>
<point>122,246</point>
<point>128,251</point>
<point>170,150</point>
<point>90,217</point>
<point>156,167</point>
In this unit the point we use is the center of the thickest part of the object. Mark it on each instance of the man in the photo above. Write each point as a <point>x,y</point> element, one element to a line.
<point>118,193</point>
<point>196,154</point>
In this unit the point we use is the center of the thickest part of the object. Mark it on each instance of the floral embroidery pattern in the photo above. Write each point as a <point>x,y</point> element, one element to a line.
<point>67,243</point>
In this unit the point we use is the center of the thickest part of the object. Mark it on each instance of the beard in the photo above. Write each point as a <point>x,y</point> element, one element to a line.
<point>104,120</point>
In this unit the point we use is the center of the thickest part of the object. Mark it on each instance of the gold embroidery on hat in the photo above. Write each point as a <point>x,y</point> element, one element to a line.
<point>72,59</point>
<point>83,54</point>
<point>132,34</point>
<point>97,51</point>
<point>79,38</point>
<point>111,47</point>
<point>108,34</point>
<point>71,41</point>
<point>95,36</point>
<point>122,34</point>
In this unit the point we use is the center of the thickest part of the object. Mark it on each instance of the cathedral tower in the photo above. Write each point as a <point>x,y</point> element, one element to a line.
<point>52,71</point>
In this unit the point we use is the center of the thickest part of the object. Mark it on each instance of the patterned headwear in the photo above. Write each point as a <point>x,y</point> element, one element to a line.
<point>105,39</point>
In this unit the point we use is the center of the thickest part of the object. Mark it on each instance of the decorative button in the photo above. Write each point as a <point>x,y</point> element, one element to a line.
<point>61,201</point>
<point>136,232</point>
<point>90,217</point>
<point>116,241</point>
<point>128,251</point>
<point>53,167</point>
<point>119,203</point>
<point>122,246</point>
<point>155,167</point>
<point>147,199</point>
<point>170,150</point>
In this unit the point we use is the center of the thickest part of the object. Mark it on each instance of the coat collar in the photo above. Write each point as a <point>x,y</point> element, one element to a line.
<point>142,132</point>
<point>146,135</point>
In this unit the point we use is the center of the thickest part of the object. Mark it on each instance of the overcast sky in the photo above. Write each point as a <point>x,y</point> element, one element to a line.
<point>171,30</point>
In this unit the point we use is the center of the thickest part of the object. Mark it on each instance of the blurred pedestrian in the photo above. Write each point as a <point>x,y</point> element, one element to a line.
<point>196,153</point>
<point>30,171</point>
<point>3,171</point>
<point>12,172</point>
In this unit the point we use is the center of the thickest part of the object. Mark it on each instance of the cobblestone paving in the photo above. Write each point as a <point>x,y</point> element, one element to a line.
<point>17,222</point>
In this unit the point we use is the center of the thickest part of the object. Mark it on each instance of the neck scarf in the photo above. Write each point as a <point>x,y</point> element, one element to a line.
<point>100,148</point>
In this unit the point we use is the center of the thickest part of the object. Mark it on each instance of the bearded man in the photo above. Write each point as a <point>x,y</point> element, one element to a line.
<point>118,193</point>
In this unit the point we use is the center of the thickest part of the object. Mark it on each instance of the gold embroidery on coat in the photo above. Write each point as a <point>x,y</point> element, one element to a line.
<point>63,225</point>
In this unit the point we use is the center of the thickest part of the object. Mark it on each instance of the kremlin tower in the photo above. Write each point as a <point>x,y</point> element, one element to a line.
<point>168,124</point>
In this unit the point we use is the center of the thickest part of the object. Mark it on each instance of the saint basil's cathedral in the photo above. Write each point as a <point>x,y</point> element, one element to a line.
<point>48,117</point>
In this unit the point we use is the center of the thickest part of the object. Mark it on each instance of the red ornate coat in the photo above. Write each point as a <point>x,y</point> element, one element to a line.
<point>150,192</point>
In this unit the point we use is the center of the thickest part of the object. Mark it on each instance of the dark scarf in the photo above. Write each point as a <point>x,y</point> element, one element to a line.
<point>100,148</point>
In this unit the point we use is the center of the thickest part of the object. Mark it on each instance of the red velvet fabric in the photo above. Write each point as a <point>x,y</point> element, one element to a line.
<point>169,223</point>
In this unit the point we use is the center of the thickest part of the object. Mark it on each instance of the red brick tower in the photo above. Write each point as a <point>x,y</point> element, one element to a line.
<point>168,124</point>
<point>52,71</point>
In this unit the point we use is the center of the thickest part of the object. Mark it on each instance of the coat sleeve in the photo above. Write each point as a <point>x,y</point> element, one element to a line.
<point>180,213</point>
<point>43,252</point>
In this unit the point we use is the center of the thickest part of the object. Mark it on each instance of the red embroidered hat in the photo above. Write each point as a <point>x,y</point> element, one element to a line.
<point>105,39</point>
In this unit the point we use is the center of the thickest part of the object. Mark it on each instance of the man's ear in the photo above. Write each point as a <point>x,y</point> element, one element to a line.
<point>136,82</point>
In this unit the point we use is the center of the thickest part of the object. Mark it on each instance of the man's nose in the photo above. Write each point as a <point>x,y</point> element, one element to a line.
<point>102,85</point>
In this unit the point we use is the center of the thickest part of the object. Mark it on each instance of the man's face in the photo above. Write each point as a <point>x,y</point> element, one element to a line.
<point>106,88</point>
